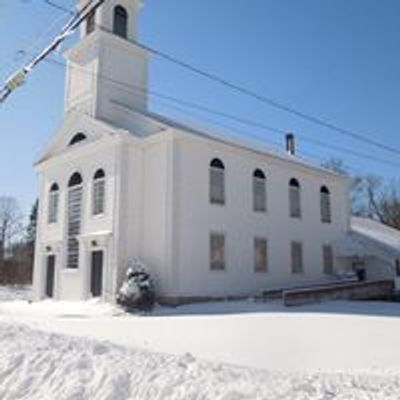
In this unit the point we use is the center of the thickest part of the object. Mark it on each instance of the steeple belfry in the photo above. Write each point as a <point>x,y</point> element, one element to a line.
<point>107,73</point>
<point>117,16</point>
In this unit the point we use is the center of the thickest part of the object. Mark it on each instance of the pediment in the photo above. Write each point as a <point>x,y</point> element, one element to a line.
<point>74,124</point>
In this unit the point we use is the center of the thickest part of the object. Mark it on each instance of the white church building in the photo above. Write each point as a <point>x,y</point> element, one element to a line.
<point>209,216</point>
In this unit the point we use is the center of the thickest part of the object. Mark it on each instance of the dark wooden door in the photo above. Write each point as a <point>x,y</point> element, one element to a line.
<point>51,263</point>
<point>97,274</point>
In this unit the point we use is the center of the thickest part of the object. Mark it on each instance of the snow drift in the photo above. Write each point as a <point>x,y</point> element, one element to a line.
<point>43,366</point>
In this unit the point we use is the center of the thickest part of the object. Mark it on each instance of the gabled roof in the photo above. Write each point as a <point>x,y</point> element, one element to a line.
<point>73,123</point>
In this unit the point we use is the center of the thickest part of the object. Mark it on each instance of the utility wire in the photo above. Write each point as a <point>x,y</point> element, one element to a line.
<point>269,101</point>
<point>59,7</point>
<point>134,89</point>
<point>19,77</point>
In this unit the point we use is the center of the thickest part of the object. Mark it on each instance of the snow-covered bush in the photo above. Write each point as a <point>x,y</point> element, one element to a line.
<point>137,291</point>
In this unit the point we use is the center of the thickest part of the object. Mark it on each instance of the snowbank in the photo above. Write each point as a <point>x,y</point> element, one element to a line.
<point>43,366</point>
<point>327,337</point>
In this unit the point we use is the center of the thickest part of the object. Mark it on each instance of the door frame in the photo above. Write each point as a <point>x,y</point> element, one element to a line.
<point>103,253</point>
<point>46,287</point>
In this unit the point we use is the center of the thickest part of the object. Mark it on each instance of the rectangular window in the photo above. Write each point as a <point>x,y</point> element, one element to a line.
<point>217,252</point>
<point>217,186</point>
<point>297,257</point>
<point>53,207</point>
<point>327,256</point>
<point>260,255</point>
<point>259,195</point>
<point>294,200</point>
<point>98,196</point>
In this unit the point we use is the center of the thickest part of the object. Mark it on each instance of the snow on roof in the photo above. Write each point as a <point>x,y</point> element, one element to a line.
<point>377,231</point>
<point>156,119</point>
<point>369,238</point>
<point>245,143</point>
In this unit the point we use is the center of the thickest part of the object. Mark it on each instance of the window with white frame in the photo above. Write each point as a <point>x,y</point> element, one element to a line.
<point>260,255</point>
<point>259,191</point>
<point>217,182</point>
<point>294,198</point>
<point>325,200</point>
<point>75,193</point>
<point>327,258</point>
<point>297,257</point>
<point>54,195</point>
<point>77,138</point>
<point>217,252</point>
<point>99,189</point>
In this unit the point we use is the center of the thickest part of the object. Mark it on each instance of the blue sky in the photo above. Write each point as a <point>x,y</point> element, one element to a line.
<point>338,60</point>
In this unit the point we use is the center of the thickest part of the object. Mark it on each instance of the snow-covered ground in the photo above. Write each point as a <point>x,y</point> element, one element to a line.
<point>230,351</point>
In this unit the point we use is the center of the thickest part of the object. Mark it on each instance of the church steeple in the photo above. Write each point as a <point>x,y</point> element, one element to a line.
<point>107,72</point>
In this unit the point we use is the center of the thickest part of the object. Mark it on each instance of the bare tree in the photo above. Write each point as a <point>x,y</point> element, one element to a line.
<point>10,223</point>
<point>371,195</point>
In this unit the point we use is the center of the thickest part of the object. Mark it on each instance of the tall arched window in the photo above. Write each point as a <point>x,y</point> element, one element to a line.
<point>325,200</point>
<point>217,182</point>
<point>75,192</point>
<point>259,191</point>
<point>294,198</point>
<point>53,204</point>
<point>99,188</point>
<point>120,22</point>
<point>79,137</point>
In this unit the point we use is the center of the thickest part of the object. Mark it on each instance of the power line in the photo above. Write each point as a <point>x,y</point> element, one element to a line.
<point>130,88</point>
<point>269,101</point>
<point>59,7</point>
<point>18,78</point>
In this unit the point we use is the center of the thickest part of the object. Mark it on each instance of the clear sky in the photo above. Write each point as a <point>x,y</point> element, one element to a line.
<point>335,59</point>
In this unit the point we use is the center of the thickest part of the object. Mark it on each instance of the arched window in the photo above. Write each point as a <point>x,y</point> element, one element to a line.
<point>259,191</point>
<point>294,198</point>
<point>75,180</point>
<point>53,204</point>
<point>325,200</point>
<point>79,137</point>
<point>99,188</point>
<point>120,22</point>
<point>90,22</point>
<point>217,182</point>
<point>75,193</point>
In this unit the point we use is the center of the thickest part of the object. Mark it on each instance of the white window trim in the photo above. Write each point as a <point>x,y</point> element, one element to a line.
<point>210,269</point>
<point>93,205</point>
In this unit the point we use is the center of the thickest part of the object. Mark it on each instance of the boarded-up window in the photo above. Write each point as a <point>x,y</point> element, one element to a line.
<point>260,255</point>
<point>325,205</point>
<point>297,257</point>
<point>53,204</point>
<point>99,187</point>
<point>327,257</point>
<point>217,182</point>
<point>294,198</point>
<point>217,251</point>
<point>259,191</point>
